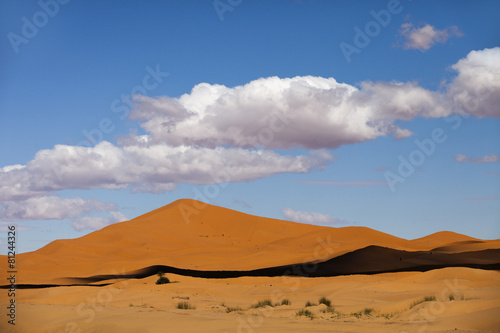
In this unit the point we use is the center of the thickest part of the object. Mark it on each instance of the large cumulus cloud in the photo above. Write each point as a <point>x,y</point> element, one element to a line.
<point>307,112</point>
<point>476,88</point>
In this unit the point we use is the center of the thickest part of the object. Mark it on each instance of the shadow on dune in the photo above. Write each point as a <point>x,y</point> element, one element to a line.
<point>41,286</point>
<point>369,260</point>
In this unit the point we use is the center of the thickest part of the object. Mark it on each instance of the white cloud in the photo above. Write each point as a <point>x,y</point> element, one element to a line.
<point>56,208</point>
<point>12,167</point>
<point>151,168</point>
<point>50,208</point>
<point>311,217</point>
<point>98,222</point>
<point>476,88</point>
<point>462,158</point>
<point>425,37</point>
<point>309,112</point>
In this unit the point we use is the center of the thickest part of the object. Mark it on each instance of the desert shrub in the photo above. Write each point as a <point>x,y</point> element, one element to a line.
<point>364,312</point>
<point>185,306</point>
<point>161,278</point>
<point>388,315</point>
<point>306,313</point>
<point>368,311</point>
<point>286,302</point>
<point>326,301</point>
<point>329,309</point>
<point>309,304</point>
<point>425,299</point>
<point>357,314</point>
<point>233,309</point>
<point>261,304</point>
<point>468,298</point>
<point>451,297</point>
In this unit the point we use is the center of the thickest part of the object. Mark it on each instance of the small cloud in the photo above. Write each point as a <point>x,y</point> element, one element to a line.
<point>348,183</point>
<point>483,199</point>
<point>423,38</point>
<point>311,217</point>
<point>462,158</point>
<point>401,133</point>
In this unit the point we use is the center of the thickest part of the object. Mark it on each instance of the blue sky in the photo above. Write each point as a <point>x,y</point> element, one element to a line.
<point>347,120</point>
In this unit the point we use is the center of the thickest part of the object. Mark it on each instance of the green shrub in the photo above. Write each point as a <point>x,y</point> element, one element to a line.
<point>162,279</point>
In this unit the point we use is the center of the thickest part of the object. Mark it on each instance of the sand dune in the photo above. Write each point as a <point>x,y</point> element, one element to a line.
<point>190,235</point>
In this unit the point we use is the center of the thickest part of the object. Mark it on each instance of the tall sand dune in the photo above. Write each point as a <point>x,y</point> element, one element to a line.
<point>189,237</point>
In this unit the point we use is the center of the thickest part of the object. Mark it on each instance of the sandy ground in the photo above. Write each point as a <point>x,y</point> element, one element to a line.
<point>139,305</point>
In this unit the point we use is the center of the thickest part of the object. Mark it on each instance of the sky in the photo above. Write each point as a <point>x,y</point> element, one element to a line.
<point>383,114</point>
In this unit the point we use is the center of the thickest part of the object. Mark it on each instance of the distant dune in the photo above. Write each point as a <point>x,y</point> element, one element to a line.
<point>191,238</point>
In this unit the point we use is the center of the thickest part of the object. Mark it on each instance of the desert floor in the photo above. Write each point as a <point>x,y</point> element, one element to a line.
<point>467,300</point>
